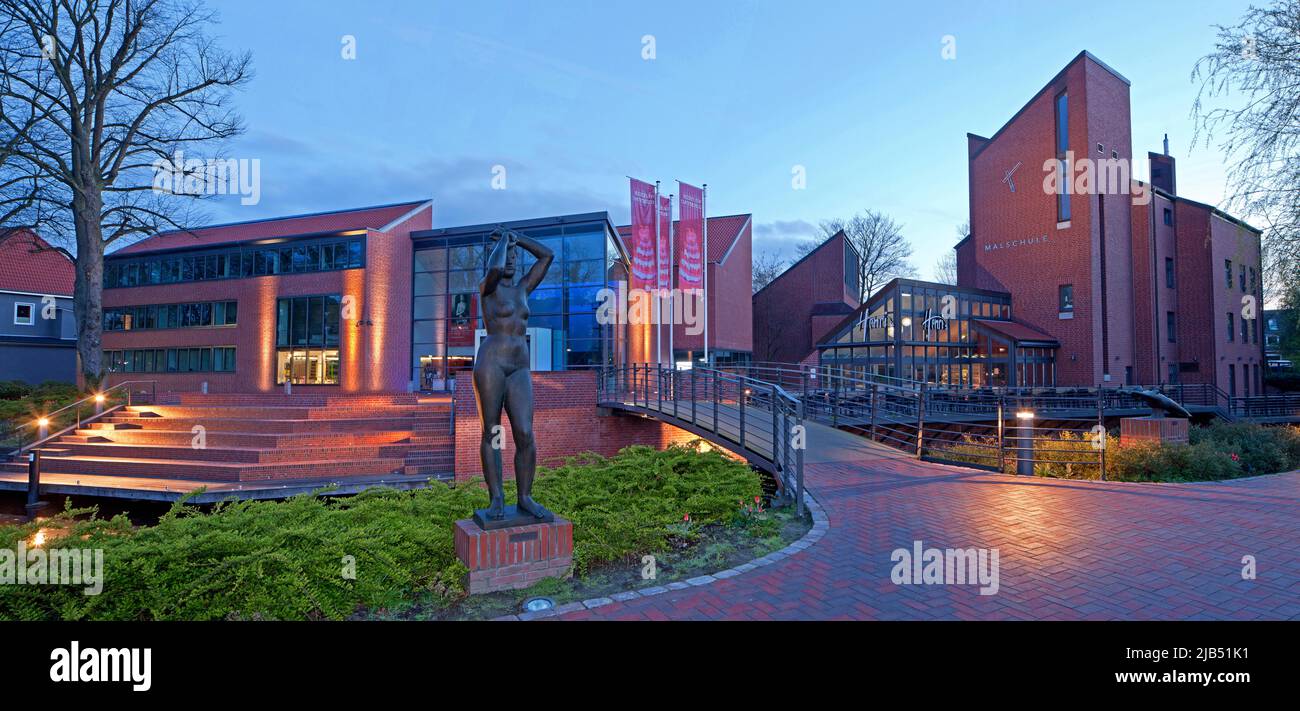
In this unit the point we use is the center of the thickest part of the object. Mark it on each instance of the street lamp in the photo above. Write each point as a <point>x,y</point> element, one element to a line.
<point>1025,449</point>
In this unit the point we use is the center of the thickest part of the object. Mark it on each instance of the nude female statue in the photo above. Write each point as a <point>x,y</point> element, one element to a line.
<point>501,375</point>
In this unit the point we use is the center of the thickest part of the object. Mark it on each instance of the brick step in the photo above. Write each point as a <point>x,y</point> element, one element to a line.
<point>113,426</point>
<point>281,412</point>
<point>210,471</point>
<point>282,455</point>
<point>254,440</point>
<point>219,424</point>
<point>302,400</point>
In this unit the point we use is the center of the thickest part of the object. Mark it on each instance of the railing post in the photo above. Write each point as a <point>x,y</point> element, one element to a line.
<point>717,393</point>
<point>875,405</point>
<point>694,417</point>
<point>776,450</point>
<point>1101,423</point>
<point>920,422</point>
<point>659,387</point>
<point>798,455</point>
<point>835,404</point>
<point>742,416</point>
<point>1002,462</point>
<point>33,484</point>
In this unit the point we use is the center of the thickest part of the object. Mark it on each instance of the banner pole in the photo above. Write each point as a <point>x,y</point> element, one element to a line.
<point>655,311</point>
<point>704,217</point>
<point>672,292</point>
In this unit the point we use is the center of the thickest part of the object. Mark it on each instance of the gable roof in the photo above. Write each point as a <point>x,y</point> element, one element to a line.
<point>377,217</point>
<point>30,264</point>
<point>809,254</point>
<point>724,231</point>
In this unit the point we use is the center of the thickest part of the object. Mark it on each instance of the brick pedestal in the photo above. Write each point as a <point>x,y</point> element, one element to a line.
<point>1153,429</point>
<point>515,557</point>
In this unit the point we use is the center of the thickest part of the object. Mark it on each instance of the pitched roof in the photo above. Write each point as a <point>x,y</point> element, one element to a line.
<point>360,218</point>
<point>723,233</point>
<point>1018,332</point>
<point>29,263</point>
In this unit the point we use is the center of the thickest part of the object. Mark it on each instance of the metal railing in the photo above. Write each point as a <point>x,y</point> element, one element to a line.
<point>757,419</point>
<point>40,428</point>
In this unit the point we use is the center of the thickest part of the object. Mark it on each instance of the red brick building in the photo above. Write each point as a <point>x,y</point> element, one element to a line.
<point>1136,283</point>
<point>730,280</point>
<point>798,309</point>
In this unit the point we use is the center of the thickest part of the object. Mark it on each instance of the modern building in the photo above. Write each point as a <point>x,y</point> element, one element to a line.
<point>939,333</point>
<point>369,300</point>
<point>1134,282</point>
<point>802,306</point>
<point>38,334</point>
<point>1279,326</point>
<point>729,283</point>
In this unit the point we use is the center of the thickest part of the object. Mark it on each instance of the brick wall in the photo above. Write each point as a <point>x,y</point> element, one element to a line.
<point>565,422</point>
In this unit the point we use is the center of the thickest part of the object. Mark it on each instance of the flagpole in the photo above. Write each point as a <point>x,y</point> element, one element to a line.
<point>704,217</point>
<point>655,311</point>
<point>672,292</point>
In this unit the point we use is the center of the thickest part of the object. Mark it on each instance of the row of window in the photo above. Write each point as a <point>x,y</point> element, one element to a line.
<point>1249,332</point>
<point>237,263</point>
<point>218,359</point>
<point>1241,273</point>
<point>308,320</point>
<point>161,316</point>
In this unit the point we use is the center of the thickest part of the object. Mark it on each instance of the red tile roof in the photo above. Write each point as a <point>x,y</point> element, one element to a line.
<point>1015,331</point>
<point>28,263</point>
<point>723,232</point>
<point>337,221</point>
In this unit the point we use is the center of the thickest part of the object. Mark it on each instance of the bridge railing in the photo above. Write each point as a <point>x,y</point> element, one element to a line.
<point>755,418</point>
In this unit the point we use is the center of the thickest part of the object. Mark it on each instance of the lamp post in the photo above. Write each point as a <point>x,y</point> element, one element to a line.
<point>1025,448</point>
<point>99,403</point>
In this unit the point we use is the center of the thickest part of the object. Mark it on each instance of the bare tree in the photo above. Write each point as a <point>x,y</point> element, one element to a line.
<point>945,267</point>
<point>1257,63</point>
<point>766,267</point>
<point>94,96</point>
<point>880,244</point>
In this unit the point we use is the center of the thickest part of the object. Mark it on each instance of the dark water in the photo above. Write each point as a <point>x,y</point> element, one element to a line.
<point>141,513</point>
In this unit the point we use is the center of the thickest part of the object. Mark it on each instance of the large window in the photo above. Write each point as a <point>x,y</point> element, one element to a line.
<point>1065,297</point>
<point>164,316</point>
<point>307,340</point>
<point>219,359</point>
<point>1169,272</point>
<point>1062,160</point>
<point>238,262</point>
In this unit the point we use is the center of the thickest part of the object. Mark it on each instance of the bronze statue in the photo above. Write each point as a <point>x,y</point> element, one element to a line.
<point>1161,405</point>
<point>502,379</point>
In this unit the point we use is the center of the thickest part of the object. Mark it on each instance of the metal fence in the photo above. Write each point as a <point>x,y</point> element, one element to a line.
<point>758,419</point>
<point>19,436</point>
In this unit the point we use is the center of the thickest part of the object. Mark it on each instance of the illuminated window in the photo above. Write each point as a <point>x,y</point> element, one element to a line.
<point>307,339</point>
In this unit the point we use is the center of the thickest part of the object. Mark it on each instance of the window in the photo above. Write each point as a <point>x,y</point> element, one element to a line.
<point>307,340</point>
<point>1232,380</point>
<point>1227,273</point>
<point>167,316</point>
<point>1169,216</point>
<point>1230,328</point>
<point>1066,297</point>
<point>1171,327</point>
<point>1243,277</point>
<point>237,262</point>
<point>24,314</point>
<point>1245,330</point>
<point>1173,373</point>
<point>219,359</point>
<point>1062,146</point>
<point>1169,272</point>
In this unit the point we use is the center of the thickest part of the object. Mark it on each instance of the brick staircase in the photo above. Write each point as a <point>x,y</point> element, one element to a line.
<point>249,438</point>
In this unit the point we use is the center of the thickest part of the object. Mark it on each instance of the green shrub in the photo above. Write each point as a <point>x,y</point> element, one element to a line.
<point>1151,461</point>
<point>285,559</point>
<point>13,389</point>
<point>55,391</point>
<point>1258,449</point>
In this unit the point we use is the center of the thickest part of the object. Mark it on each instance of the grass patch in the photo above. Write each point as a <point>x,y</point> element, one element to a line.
<point>287,559</point>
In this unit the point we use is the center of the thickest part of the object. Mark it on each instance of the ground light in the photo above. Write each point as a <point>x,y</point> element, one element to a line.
<point>1025,450</point>
<point>538,604</point>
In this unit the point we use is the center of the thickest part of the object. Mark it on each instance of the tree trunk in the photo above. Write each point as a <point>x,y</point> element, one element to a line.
<point>89,290</point>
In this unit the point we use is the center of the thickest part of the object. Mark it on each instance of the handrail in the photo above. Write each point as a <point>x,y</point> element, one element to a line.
<point>78,421</point>
<point>758,419</point>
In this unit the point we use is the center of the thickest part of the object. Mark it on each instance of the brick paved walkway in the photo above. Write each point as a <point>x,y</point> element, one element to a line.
<point>1067,549</point>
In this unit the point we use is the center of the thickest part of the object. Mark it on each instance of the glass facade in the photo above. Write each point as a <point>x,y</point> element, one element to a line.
<point>165,316</point>
<point>307,340</point>
<point>926,332</point>
<point>449,263</point>
<point>237,262</point>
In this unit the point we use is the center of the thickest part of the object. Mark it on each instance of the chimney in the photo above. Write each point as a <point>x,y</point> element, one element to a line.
<point>1163,174</point>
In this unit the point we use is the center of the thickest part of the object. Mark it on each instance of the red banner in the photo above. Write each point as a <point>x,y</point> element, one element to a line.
<point>690,236</point>
<point>642,240</point>
<point>665,243</point>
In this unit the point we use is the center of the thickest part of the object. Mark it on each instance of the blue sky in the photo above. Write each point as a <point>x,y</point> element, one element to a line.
<point>737,95</point>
